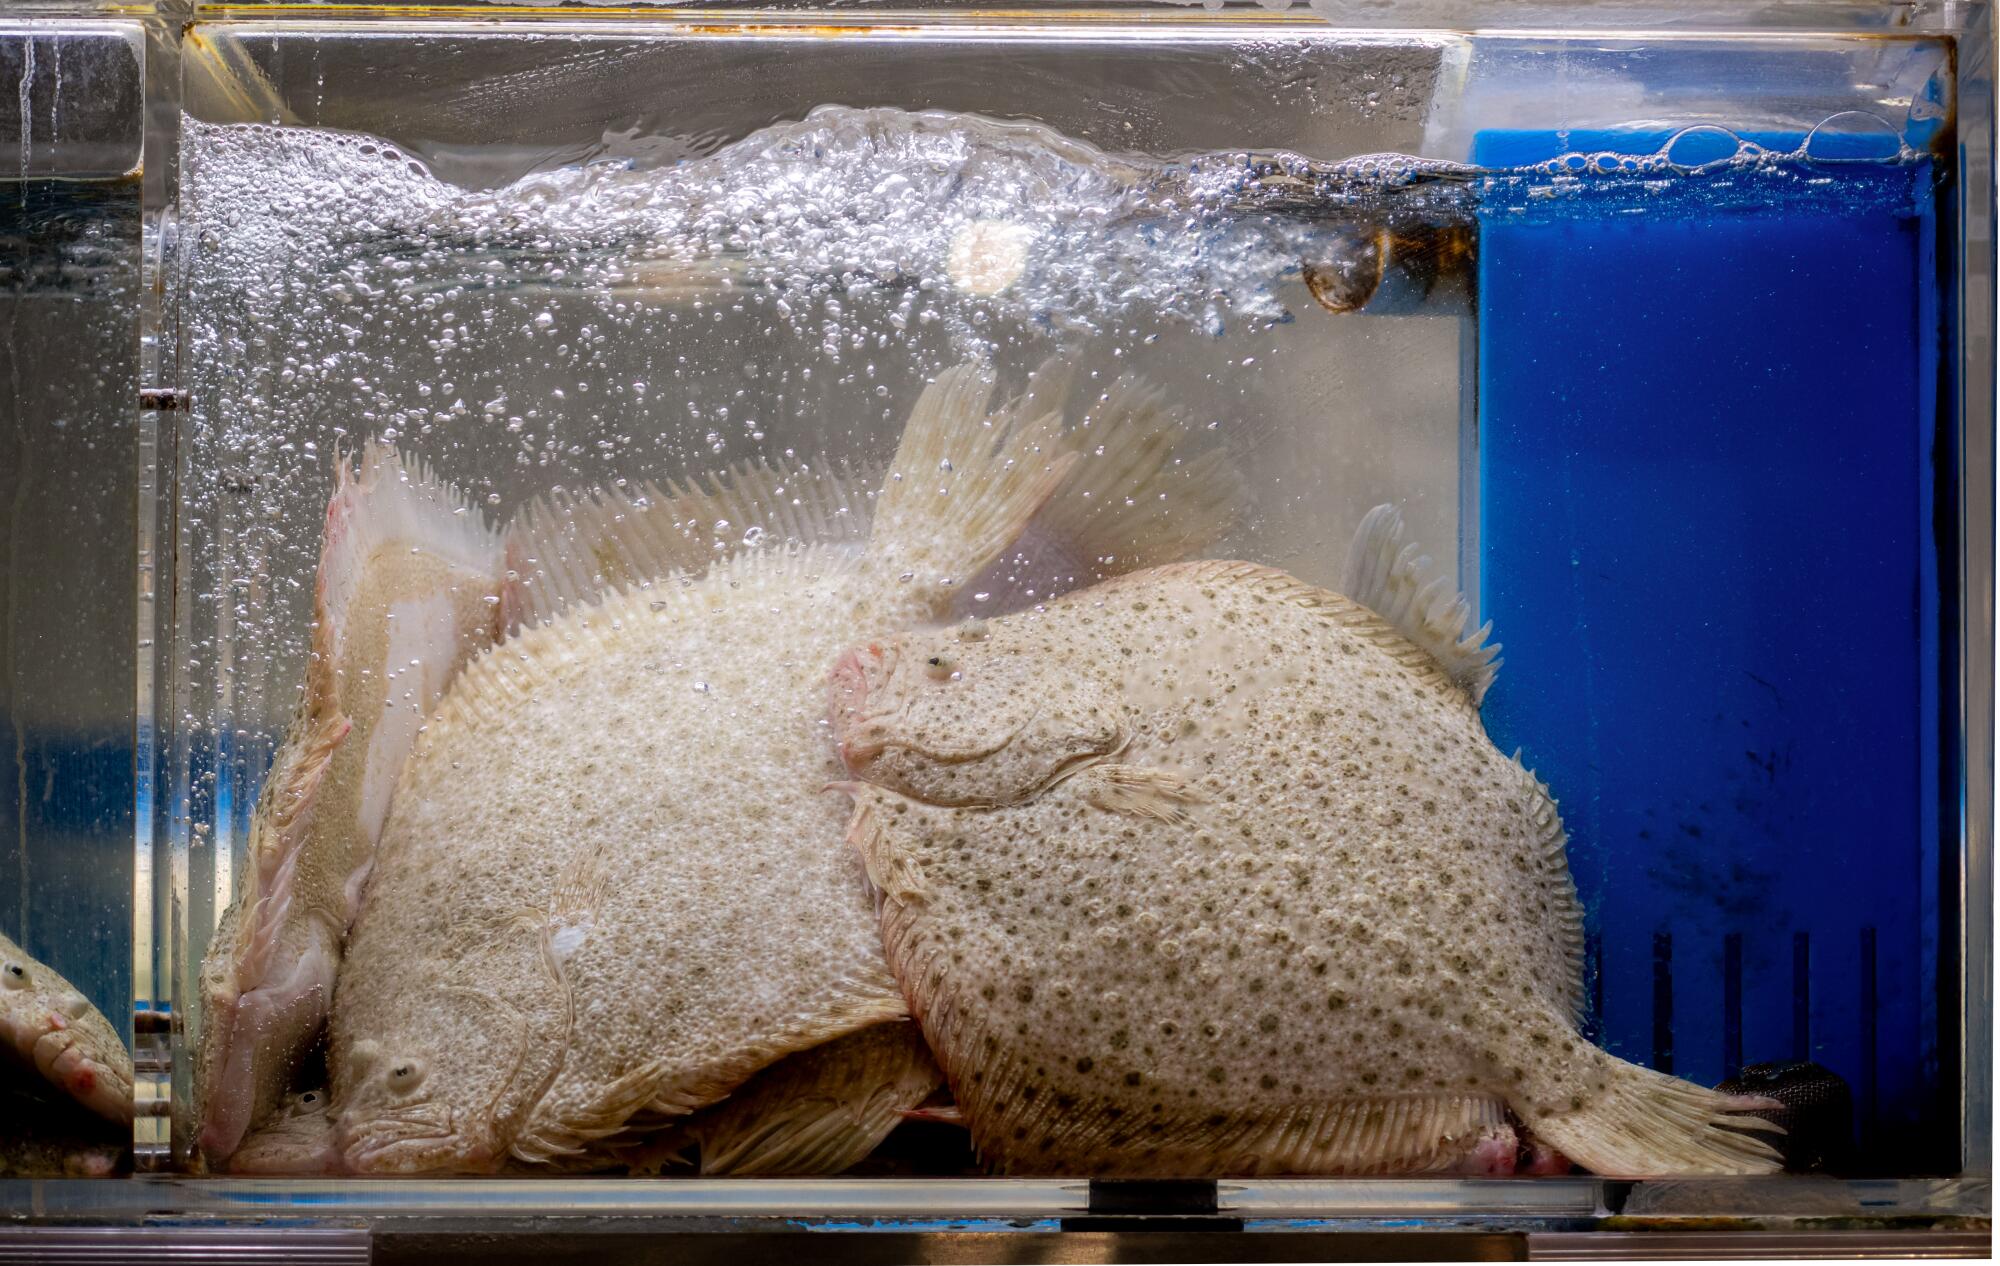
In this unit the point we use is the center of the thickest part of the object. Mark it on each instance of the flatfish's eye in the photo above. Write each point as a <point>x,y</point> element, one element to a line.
<point>406,1075</point>
<point>310,1099</point>
<point>941,668</point>
<point>14,976</point>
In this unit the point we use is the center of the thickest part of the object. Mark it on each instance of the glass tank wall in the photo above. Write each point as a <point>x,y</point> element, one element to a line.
<point>801,370</point>
<point>69,303</point>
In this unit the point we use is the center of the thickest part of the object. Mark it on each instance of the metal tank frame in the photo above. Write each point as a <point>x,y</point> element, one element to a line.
<point>986,1218</point>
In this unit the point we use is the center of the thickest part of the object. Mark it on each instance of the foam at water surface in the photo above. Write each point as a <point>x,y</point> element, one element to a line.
<point>847,200</point>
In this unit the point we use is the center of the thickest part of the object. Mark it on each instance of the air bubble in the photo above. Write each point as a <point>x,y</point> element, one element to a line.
<point>1853,136</point>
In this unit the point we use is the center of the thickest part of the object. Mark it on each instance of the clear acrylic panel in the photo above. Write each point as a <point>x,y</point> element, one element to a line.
<point>537,249</point>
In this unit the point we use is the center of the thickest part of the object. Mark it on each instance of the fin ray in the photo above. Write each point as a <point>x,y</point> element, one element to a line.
<point>964,483</point>
<point>1622,1120</point>
<point>570,550</point>
<point>821,1110</point>
<point>1389,575</point>
<point>1133,500</point>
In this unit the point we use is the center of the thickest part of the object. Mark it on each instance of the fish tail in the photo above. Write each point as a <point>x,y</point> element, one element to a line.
<point>965,482</point>
<point>1135,498</point>
<point>1621,1120</point>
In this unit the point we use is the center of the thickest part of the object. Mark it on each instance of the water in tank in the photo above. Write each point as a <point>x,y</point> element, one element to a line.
<point>1140,592</point>
<point>70,208</point>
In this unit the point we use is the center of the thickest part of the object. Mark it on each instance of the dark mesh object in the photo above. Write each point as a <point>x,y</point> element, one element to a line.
<point>1818,1115</point>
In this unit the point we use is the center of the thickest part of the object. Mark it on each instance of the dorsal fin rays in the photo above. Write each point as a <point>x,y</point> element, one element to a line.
<point>655,1088</point>
<point>1551,858</point>
<point>816,1111</point>
<point>1388,574</point>
<point>500,678</point>
<point>568,549</point>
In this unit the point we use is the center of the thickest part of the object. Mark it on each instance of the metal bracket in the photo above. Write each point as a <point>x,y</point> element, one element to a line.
<point>162,398</point>
<point>1136,1204</point>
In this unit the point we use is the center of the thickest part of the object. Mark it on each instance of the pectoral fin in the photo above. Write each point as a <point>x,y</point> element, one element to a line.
<point>1135,791</point>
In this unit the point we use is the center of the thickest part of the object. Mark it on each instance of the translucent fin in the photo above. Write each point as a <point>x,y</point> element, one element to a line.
<point>566,550</point>
<point>1134,499</point>
<point>964,484</point>
<point>1620,1120</point>
<point>280,829</point>
<point>1388,576</point>
<point>816,1112</point>
<point>390,500</point>
<point>1152,794</point>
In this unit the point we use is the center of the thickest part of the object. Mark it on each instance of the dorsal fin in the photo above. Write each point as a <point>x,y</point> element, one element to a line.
<point>1389,575</point>
<point>1133,498</point>
<point>569,550</point>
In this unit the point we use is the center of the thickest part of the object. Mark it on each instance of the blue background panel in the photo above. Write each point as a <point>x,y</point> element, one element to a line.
<point>1705,541</point>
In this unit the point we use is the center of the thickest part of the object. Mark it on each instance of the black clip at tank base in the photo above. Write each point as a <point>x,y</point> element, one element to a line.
<point>1153,1204</point>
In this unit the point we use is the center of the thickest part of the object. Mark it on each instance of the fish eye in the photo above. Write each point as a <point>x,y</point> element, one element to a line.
<point>941,667</point>
<point>14,976</point>
<point>310,1098</point>
<point>406,1076</point>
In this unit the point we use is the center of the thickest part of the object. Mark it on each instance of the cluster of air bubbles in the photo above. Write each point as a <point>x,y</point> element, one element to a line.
<point>1709,149</point>
<point>926,217</point>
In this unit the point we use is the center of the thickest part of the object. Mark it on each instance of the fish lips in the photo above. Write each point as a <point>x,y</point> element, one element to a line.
<point>847,707</point>
<point>414,1140</point>
<point>863,737</point>
<point>318,1157</point>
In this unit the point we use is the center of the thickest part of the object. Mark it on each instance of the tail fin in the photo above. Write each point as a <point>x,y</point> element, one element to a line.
<point>964,483</point>
<point>1386,574</point>
<point>1624,1121</point>
<point>1133,499</point>
<point>567,550</point>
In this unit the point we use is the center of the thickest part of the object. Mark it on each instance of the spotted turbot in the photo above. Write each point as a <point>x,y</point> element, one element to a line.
<point>610,890</point>
<point>1206,870</point>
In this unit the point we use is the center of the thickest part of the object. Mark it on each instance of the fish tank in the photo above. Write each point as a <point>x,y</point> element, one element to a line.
<point>1012,630</point>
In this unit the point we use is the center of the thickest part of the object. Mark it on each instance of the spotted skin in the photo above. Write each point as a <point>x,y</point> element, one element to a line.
<point>51,1032</point>
<point>1208,871</point>
<point>673,730</point>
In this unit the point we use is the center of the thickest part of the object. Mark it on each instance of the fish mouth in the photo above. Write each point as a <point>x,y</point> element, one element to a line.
<point>863,736</point>
<point>858,735</point>
<point>298,1152</point>
<point>416,1140</point>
